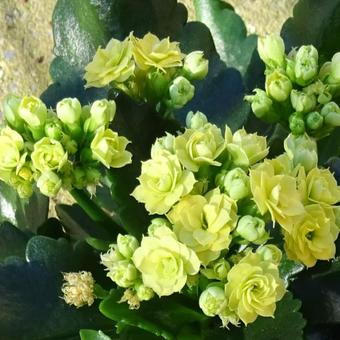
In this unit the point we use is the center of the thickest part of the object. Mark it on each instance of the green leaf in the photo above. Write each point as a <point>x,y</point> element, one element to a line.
<point>229,32</point>
<point>52,228</point>
<point>31,307</point>
<point>89,334</point>
<point>12,241</point>
<point>98,244</point>
<point>319,290</point>
<point>163,317</point>
<point>329,147</point>
<point>289,269</point>
<point>317,23</point>
<point>23,213</point>
<point>287,324</point>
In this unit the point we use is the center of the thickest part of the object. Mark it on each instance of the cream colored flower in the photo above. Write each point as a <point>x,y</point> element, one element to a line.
<point>204,223</point>
<point>110,149</point>
<point>110,64</point>
<point>163,182</point>
<point>199,147</point>
<point>78,289</point>
<point>150,51</point>
<point>165,263</point>
<point>245,148</point>
<point>276,193</point>
<point>312,235</point>
<point>253,288</point>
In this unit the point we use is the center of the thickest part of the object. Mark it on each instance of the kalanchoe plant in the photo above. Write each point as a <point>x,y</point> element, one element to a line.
<point>193,219</point>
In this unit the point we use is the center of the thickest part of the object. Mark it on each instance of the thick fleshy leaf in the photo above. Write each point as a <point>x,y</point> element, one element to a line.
<point>31,307</point>
<point>23,213</point>
<point>289,269</point>
<point>319,290</point>
<point>89,334</point>
<point>288,322</point>
<point>229,33</point>
<point>12,241</point>
<point>317,23</point>
<point>162,317</point>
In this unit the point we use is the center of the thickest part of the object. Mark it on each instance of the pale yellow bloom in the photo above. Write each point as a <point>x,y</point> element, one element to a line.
<point>113,63</point>
<point>276,193</point>
<point>253,288</point>
<point>110,149</point>
<point>312,235</point>
<point>245,148</point>
<point>163,182</point>
<point>204,223</point>
<point>164,262</point>
<point>198,147</point>
<point>48,155</point>
<point>150,51</point>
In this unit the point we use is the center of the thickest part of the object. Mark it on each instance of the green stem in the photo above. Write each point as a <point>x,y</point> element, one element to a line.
<point>95,212</point>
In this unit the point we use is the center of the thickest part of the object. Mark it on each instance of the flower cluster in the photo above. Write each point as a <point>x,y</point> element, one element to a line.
<point>211,230</point>
<point>148,69</point>
<point>58,149</point>
<point>299,91</point>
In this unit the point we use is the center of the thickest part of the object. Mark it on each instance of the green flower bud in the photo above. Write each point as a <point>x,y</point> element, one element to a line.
<point>54,130</point>
<point>262,106</point>
<point>49,183</point>
<point>278,86</point>
<point>314,120</point>
<point>69,111</point>
<point>271,50</point>
<point>181,91</point>
<point>79,178</point>
<point>24,189</point>
<point>234,182</point>
<point>156,223</point>
<point>325,71</point>
<point>25,173</point>
<point>270,252</point>
<point>302,150</point>
<point>127,244</point>
<point>195,66</point>
<point>306,65</point>
<point>92,175</point>
<point>124,273</point>
<point>157,85</point>
<point>163,143</point>
<point>331,114</point>
<point>196,120</point>
<point>212,300</point>
<point>33,111</point>
<point>296,124</point>
<point>302,102</point>
<point>335,69</point>
<point>252,229</point>
<point>10,107</point>
<point>221,269</point>
<point>71,146</point>
<point>144,293</point>
<point>290,67</point>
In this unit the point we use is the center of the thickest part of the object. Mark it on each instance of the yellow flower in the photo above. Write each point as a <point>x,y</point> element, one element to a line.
<point>162,183</point>
<point>112,64</point>
<point>204,223</point>
<point>254,286</point>
<point>48,155</point>
<point>49,183</point>
<point>245,148</point>
<point>109,148</point>
<point>152,52</point>
<point>11,143</point>
<point>322,187</point>
<point>199,147</point>
<point>276,193</point>
<point>312,235</point>
<point>164,262</point>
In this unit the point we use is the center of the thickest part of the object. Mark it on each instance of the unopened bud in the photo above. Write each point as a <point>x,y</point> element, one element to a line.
<point>302,102</point>
<point>181,91</point>
<point>306,65</point>
<point>127,244</point>
<point>314,120</point>
<point>195,66</point>
<point>272,50</point>
<point>252,229</point>
<point>278,86</point>
<point>196,120</point>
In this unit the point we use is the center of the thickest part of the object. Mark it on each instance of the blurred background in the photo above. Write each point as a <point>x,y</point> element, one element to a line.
<point>26,40</point>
